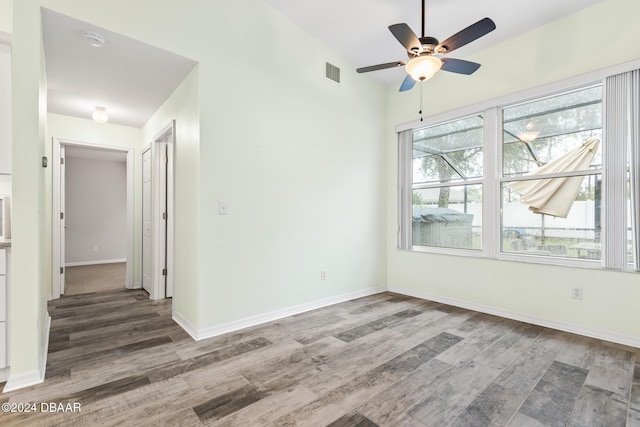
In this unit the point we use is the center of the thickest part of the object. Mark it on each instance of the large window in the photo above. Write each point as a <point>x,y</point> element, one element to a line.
<point>558,138</point>
<point>447,184</point>
<point>537,179</point>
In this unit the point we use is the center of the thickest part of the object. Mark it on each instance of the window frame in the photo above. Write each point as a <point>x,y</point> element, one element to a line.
<point>501,180</point>
<point>406,187</point>
<point>453,184</point>
<point>493,178</point>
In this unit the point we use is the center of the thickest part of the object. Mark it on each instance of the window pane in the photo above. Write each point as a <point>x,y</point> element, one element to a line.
<point>454,166</point>
<point>458,225</point>
<point>540,131</point>
<point>576,236</point>
<point>448,152</point>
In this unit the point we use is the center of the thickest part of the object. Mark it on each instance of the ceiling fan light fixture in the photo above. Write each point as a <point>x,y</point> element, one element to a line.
<point>100,115</point>
<point>423,67</point>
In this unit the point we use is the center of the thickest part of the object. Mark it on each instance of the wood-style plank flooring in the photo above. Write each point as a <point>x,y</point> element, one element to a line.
<point>83,279</point>
<point>385,360</point>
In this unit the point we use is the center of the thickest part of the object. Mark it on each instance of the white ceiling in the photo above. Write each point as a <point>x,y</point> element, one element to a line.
<point>132,79</point>
<point>358,29</point>
<point>129,78</point>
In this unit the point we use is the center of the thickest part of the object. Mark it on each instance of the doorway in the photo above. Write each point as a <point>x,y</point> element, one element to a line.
<point>157,214</point>
<point>97,253</point>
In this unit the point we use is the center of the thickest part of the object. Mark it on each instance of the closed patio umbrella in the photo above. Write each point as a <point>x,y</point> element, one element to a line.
<point>554,196</point>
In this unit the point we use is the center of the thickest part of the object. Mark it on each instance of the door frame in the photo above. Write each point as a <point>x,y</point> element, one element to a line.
<point>143,208</point>
<point>162,230</point>
<point>57,262</point>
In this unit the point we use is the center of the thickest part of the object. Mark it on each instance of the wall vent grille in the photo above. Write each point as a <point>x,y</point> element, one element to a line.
<point>332,72</point>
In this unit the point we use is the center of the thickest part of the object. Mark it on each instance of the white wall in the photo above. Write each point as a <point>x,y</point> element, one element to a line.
<point>296,156</point>
<point>5,108</point>
<point>31,253</point>
<point>6,16</point>
<point>537,292</point>
<point>96,210</point>
<point>299,159</point>
<point>5,116</point>
<point>5,185</point>
<point>183,107</point>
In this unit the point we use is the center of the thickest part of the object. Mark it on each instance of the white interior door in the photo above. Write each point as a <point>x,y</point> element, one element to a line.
<point>162,233</point>
<point>157,212</point>
<point>63,220</point>
<point>147,248</point>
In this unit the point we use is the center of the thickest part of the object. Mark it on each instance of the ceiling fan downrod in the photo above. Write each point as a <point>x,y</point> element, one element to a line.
<point>423,13</point>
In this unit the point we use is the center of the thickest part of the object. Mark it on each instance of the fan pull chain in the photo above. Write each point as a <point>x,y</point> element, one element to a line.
<point>421,103</point>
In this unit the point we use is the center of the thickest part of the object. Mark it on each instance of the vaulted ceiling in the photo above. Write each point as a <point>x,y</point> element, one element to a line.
<point>132,79</point>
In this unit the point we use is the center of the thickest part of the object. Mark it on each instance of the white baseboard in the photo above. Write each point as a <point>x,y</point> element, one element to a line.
<point>212,331</point>
<point>522,317</point>
<point>24,379</point>
<point>104,261</point>
<point>45,346</point>
<point>185,324</point>
<point>29,378</point>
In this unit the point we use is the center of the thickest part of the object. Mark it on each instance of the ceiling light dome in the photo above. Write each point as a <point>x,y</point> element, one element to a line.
<point>423,67</point>
<point>100,115</point>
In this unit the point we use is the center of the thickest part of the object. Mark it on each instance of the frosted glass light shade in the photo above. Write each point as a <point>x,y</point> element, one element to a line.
<point>423,67</point>
<point>100,115</point>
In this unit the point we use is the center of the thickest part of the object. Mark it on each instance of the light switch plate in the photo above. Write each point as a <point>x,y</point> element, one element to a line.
<point>223,208</point>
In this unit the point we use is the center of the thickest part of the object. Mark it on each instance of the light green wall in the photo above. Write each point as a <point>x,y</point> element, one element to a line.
<point>6,16</point>
<point>182,106</point>
<point>592,39</point>
<point>299,159</point>
<point>29,281</point>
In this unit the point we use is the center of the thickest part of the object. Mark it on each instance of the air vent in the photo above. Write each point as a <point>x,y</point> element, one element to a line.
<point>333,72</point>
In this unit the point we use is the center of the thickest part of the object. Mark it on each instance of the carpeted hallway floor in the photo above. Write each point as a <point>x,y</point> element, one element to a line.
<point>94,278</point>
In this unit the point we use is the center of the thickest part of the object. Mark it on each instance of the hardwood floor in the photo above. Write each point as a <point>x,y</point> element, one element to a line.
<point>385,360</point>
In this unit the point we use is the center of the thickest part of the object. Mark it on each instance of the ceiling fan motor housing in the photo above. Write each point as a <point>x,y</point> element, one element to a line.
<point>428,44</point>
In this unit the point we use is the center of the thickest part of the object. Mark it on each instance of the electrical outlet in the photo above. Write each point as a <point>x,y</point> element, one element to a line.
<point>323,274</point>
<point>223,208</point>
<point>576,293</point>
<point>94,248</point>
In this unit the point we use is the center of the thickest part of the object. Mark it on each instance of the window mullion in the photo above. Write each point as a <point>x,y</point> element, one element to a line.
<point>457,183</point>
<point>491,185</point>
<point>405,172</point>
<point>541,176</point>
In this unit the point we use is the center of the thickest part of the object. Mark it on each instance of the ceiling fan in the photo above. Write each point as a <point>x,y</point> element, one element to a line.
<point>425,53</point>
